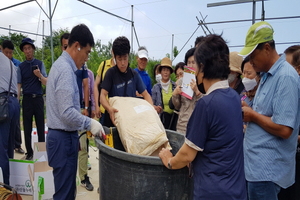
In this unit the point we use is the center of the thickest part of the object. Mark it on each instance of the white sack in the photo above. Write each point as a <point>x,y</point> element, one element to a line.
<point>139,125</point>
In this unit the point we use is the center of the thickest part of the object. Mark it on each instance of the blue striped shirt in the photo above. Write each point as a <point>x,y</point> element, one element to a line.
<point>62,102</point>
<point>268,157</point>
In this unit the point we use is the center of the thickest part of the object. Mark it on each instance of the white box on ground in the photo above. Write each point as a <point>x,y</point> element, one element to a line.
<point>39,150</point>
<point>42,180</point>
<point>19,177</point>
<point>34,136</point>
<point>1,175</point>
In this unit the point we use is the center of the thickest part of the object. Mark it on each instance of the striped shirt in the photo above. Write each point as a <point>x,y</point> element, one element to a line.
<point>62,102</point>
<point>268,157</point>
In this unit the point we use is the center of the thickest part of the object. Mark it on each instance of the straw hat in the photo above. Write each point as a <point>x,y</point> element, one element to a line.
<point>235,62</point>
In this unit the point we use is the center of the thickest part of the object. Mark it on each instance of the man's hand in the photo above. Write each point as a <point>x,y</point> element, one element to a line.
<point>112,112</point>
<point>85,112</point>
<point>97,112</point>
<point>96,128</point>
<point>247,112</point>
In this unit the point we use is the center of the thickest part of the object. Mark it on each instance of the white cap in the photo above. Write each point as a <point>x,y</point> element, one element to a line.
<point>143,54</point>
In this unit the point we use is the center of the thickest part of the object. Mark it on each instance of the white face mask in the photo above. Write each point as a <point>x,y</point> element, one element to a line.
<point>231,78</point>
<point>249,83</point>
<point>158,78</point>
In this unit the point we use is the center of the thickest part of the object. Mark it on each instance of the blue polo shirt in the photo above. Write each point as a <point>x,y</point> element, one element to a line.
<point>268,157</point>
<point>30,82</point>
<point>216,128</point>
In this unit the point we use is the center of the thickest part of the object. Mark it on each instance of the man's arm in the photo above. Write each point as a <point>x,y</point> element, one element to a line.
<point>96,97</point>
<point>104,102</point>
<point>266,122</point>
<point>147,97</point>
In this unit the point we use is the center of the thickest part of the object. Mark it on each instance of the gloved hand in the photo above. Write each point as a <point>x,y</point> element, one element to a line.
<point>96,128</point>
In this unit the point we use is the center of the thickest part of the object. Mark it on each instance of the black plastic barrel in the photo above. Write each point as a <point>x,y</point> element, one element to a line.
<point>125,176</point>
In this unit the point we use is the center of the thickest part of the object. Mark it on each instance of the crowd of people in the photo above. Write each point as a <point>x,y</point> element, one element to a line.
<point>241,124</point>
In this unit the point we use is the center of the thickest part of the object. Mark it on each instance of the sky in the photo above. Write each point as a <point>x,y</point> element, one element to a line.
<point>159,24</point>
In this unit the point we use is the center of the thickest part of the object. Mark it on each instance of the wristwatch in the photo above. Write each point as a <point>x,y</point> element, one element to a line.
<point>169,164</point>
<point>86,108</point>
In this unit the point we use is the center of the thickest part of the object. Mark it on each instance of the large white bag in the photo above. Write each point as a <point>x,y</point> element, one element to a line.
<point>139,126</point>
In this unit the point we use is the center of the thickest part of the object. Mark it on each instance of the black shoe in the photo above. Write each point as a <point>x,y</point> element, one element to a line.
<point>19,150</point>
<point>87,184</point>
<point>29,156</point>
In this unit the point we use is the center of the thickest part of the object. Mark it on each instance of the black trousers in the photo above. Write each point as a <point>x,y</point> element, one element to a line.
<point>33,106</point>
<point>18,139</point>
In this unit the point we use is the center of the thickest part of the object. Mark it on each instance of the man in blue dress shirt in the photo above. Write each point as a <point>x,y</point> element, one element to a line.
<point>271,135</point>
<point>63,113</point>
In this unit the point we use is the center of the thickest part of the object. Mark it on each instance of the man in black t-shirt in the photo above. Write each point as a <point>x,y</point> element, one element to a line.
<point>121,80</point>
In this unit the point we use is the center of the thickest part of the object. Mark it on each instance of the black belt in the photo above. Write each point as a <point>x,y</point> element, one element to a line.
<point>32,95</point>
<point>55,129</point>
<point>10,94</point>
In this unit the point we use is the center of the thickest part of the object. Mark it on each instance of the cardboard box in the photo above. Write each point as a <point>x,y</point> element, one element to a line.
<point>42,180</point>
<point>39,151</point>
<point>19,177</point>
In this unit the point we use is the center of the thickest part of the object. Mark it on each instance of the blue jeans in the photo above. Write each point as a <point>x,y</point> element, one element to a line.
<point>263,190</point>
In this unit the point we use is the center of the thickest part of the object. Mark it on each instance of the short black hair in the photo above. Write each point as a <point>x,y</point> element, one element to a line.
<point>292,49</point>
<point>198,40</point>
<point>212,57</point>
<point>296,59</point>
<point>179,65</point>
<point>271,43</point>
<point>188,54</point>
<point>82,34</point>
<point>121,46</point>
<point>8,44</point>
<point>65,36</point>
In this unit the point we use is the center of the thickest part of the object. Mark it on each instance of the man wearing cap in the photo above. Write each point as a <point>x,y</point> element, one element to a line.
<point>31,76</point>
<point>142,60</point>
<point>121,80</point>
<point>273,121</point>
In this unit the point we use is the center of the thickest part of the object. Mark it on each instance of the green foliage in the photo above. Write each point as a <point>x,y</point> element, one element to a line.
<point>99,53</point>
<point>175,52</point>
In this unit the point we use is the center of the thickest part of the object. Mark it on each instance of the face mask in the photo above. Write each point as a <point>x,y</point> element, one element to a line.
<point>231,78</point>
<point>200,86</point>
<point>158,78</point>
<point>249,83</point>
